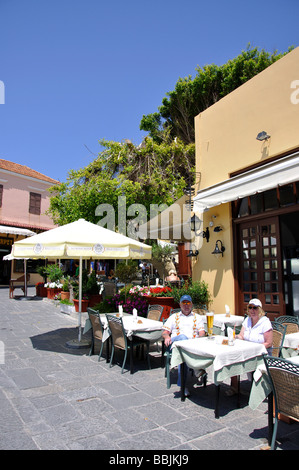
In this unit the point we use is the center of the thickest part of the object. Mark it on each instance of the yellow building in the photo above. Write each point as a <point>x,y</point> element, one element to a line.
<point>247,153</point>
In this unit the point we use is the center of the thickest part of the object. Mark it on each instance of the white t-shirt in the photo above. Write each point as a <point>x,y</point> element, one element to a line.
<point>256,333</point>
<point>188,325</point>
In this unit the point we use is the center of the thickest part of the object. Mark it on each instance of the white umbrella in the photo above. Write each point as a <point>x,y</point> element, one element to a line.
<point>81,240</point>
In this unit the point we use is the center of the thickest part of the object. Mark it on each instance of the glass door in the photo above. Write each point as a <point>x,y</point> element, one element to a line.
<point>260,265</point>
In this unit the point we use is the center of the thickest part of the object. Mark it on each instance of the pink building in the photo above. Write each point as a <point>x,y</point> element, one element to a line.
<point>24,200</point>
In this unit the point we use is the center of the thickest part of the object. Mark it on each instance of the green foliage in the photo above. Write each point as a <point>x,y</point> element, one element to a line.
<point>198,290</point>
<point>54,272</point>
<point>150,173</point>
<point>192,96</point>
<point>65,285</point>
<point>126,272</point>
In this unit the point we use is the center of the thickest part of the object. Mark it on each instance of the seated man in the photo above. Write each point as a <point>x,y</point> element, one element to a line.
<point>183,325</point>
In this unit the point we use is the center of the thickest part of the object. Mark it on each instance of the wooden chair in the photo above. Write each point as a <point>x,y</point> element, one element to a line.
<point>284,378</point>
<point>121,341</point>
<point>291,323</point>
<point>97,330</point>
<point>19,282</point>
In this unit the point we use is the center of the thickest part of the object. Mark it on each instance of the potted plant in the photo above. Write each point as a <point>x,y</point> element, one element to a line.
<point>41,290</point>
<point>66,306</point>
<point>85,297</point>
<point>92,290</point>
<point>54,286</point>
<point>198,291</point>
<point>65,291</point>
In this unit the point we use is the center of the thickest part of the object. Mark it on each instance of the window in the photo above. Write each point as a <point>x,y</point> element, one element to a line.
<point>35,203</point>
<point>1,194</point>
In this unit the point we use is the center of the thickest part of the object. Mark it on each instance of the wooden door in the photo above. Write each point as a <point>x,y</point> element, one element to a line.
<point>260,266</point>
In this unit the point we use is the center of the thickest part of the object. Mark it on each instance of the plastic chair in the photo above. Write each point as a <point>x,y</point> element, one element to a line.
<point>292,323</point>
<point>279,331</point>
<point>284,378</point>
<point>121,341</point>
<point>97,330</point>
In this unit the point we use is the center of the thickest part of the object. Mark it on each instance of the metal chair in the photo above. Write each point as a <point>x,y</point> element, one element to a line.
<point>292,323</point>
<point>121,341</point>
<point>284,378</point>
<point>97,330</point>
<point>154,312</point>
<point>279,331</point>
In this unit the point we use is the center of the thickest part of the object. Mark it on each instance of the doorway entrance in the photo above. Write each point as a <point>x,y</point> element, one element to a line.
<point>268,267</point>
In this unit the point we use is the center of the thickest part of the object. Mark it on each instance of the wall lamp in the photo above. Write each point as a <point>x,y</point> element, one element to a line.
<point>262,136</point>
<point>218,251</point>
<point>195,224</point>
<point>192,253</point>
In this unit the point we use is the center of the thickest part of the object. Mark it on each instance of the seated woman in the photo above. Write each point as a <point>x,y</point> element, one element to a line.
<point>256,328</point>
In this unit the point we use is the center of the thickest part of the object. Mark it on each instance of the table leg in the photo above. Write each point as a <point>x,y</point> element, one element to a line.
<point>238,391</point>
<point>107,349</point>
<point>183,397</point>
<point>217,401</point>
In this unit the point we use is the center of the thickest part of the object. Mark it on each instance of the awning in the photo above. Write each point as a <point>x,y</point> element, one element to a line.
<point>172,223</point>
<point>16,231</point>
<point>282,171</point>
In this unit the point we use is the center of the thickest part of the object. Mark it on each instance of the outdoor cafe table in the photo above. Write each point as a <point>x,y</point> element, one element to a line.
<point>290,345</point>
<point>227,361</point>
<point>222,321</point>
<point>144,328</point>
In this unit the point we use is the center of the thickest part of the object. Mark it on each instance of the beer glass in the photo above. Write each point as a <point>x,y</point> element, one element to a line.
<point>210,323</point>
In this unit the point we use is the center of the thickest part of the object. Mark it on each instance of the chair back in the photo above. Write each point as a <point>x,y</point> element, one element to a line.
<point>154,312</point>
<point>284,376</point>
<point>278,332</point>
<point>291,323</point>
<point>118,334</point>
<point>109,289</point>
<point>97,326</point>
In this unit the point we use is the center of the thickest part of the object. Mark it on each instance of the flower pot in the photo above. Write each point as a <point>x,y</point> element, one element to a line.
<point>167,302</point>
<point>67,308</point>
<point>64,295</point>
<point>84,305</point>
<point>94,299</point>
<point>52,292</point>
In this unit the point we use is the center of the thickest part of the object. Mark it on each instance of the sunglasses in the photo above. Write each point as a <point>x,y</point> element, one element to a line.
<point>186,302</point>
<point>252,307</point>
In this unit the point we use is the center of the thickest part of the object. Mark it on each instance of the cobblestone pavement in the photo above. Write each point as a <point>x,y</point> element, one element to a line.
<point>56,397</point>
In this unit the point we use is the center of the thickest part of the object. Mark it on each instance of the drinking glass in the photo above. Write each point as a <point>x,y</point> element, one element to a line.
<point>210,323</point>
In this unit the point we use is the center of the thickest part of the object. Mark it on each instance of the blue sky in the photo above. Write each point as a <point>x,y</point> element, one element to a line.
<point>77,71</point>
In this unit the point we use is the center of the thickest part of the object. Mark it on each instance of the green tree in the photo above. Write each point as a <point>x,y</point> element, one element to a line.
<point>151,173</point>
<point>192,96</point>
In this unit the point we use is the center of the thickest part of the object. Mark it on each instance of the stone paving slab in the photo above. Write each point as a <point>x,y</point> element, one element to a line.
<point>54,397</point>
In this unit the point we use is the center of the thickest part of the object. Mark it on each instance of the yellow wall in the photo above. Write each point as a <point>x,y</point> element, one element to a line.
<point>226,142</point>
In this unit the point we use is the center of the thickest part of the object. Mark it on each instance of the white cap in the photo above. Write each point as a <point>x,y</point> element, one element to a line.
<point>256,302</point>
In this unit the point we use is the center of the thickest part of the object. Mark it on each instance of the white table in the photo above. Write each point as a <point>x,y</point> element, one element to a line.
<point>227,361</point>
<point>142,327</point>
<point>222,321</point>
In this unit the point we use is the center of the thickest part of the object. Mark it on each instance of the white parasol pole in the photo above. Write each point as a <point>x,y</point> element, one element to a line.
<point>80,296</point>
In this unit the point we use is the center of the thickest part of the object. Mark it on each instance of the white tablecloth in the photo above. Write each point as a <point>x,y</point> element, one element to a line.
<point>134,327</point>
<point>221,355</point>
<point>291,341</point>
